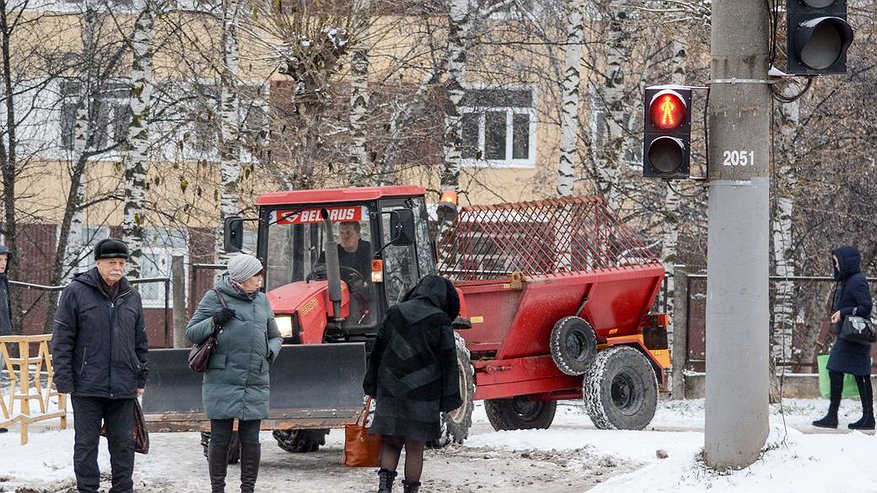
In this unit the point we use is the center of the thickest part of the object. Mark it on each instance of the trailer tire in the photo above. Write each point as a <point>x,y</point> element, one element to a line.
<point>573,345</point>
<point>620,390</point>
<point>455,424</point>
<point>234,446</point>
<point>519,413</point>
<point>300,441</point>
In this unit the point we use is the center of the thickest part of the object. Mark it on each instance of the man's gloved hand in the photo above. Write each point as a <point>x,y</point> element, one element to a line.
<point>222,316</point>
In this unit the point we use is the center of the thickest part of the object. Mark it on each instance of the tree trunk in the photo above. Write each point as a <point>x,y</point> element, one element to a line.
<point>138,139</point>
<point>458,31</point>
<point>570,100</point>
<point>229,166</point>
<point>359,97</point>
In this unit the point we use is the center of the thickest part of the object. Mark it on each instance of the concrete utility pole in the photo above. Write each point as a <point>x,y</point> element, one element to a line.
<point>737,316</point>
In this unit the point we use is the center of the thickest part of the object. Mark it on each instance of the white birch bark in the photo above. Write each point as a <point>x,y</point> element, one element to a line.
<point>229,111</point>
<point>359,97</point>
<point>781,226</point>
<point>135,160</point>
<point>670,223</point>
<point>73,253</point>
<point>570,100</point>
<point>458,31</point>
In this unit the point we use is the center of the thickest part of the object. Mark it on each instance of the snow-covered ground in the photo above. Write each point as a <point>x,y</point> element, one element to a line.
<point>571,456</point>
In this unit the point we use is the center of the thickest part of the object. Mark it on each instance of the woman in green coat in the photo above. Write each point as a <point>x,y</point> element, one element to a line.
<point>236,384</point>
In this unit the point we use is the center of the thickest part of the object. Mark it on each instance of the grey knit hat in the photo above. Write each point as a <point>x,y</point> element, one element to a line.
<point>242,267</point>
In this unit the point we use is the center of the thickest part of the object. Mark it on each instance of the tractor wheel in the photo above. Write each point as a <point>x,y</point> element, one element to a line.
<point>234,446</point>
<point>620,390</point>
<point>455,424</point>
<point>519,413</point>
<point>300,441</point>
<point>573,345</point>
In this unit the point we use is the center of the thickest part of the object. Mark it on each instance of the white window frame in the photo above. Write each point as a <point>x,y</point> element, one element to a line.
<point>530,160</point>
<point>159,254</point>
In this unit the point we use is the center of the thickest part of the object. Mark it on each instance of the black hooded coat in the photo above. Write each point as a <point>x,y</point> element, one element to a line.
<point>413,372</point>
<point>852,298</point>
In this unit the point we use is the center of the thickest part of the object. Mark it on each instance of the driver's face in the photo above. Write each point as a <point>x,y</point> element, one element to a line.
<point>348,238</point>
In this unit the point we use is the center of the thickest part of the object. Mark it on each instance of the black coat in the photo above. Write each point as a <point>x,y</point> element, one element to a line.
<point>99,344</point>
<point>5,298</point>
<point>413,372</point>
<point>852,298</point>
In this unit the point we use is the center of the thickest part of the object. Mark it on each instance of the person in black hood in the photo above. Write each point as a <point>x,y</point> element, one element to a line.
<point>5,302</point>
<point>413,376</point>
<point>852,298</point>
<point>99,350</point>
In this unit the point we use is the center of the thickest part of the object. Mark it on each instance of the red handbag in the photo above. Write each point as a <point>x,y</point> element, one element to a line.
<point>361,449</point>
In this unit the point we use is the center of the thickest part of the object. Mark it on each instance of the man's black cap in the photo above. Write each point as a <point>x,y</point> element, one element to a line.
<point>110,248</point>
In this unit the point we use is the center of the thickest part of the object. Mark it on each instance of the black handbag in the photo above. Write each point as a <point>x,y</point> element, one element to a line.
<point>199,355</point>
<point>859,330</point>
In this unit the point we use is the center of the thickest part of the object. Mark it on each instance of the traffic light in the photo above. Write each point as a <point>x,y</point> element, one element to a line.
<point>818,36</point>
<point>667,132</point>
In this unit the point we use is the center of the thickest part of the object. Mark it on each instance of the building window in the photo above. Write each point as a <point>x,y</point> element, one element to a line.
<point>499,127</point>
<point>109,114</point>
<point>160,245</point>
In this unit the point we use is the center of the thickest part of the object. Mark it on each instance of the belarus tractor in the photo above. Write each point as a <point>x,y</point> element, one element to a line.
<point>555,295</point>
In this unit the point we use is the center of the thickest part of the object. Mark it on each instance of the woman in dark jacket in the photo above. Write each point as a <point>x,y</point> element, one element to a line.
<point>852,298</point>
<point>413,376</point>
<point>236,383</point>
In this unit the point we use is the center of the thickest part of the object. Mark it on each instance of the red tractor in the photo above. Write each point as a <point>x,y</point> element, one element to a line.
<point>556,298</point>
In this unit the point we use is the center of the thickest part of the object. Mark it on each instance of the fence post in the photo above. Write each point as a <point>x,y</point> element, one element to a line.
<point>680,332</point>
<point>178,273</point>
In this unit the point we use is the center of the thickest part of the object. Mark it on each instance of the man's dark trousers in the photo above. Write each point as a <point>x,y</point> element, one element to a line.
<point>118,414</point>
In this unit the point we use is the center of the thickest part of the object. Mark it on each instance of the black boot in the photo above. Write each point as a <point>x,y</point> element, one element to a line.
<point>867,395</point>
<point>410,486</point>
<point>385,480</point>
<point>830,419</point>
<point>251,456</point>
<point>217,465</point>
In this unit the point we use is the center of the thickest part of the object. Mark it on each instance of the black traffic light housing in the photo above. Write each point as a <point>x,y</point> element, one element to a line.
<point>667,132</point>
<point>817,37</point>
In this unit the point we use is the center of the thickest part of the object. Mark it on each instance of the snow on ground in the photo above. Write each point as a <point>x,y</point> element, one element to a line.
<point>570,456</point>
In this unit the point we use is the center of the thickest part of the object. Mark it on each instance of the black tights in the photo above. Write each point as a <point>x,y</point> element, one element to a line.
<point>865,392</point>
<point>221,430</point>
<point>391,449</point>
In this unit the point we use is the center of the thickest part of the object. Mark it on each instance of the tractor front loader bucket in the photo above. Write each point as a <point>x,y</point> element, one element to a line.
<point>312,386</point>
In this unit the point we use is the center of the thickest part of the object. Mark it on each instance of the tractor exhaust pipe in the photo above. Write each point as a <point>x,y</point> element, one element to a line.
<point>333,272</point>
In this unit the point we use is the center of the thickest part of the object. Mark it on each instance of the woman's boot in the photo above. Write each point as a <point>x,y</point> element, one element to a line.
<point>410,486</point>
<point>251,457</point>
<point>217,466</point>
<point>830,420</point>
<point>385,480</point>
<point>867,395</point>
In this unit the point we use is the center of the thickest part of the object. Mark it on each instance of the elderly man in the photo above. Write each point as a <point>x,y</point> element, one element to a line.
<point>99,352</point>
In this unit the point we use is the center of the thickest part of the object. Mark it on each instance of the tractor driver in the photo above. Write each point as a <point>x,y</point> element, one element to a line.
<point>354,253</point>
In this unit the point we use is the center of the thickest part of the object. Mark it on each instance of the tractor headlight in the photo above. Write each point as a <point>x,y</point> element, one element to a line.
<point>284,325</point>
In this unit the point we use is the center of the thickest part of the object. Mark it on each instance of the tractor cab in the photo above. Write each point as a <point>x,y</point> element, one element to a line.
<point>336,259</point>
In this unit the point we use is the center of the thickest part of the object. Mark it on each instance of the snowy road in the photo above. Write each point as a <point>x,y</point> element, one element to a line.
<point>572,456</point>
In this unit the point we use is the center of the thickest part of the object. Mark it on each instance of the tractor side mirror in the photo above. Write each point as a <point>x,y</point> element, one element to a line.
<point>402,227</point>
<point>233,234</point>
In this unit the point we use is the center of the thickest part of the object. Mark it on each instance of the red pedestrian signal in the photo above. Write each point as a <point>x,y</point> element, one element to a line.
<point>667,131</point>
<point>667,111</point>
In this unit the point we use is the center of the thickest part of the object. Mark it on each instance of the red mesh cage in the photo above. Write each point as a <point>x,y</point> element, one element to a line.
<point>555,236</point>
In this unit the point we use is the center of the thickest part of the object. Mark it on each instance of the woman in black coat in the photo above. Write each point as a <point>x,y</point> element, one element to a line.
<point>852,298</point>
<point>413,376</point>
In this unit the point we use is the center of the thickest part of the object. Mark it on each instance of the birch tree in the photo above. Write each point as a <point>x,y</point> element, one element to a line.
<point>359,96</point>
<point>570,99</point>
<point>229,108</point>
<point>136,156</point>
<point>458,32</point>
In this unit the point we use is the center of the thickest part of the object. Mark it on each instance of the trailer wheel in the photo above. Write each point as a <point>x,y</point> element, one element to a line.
<point>300,441</point>
<point>620,390</point>
<point>573,345</point>
<point>455,424</point>
<point>234,446</point>
<point>519,413</point>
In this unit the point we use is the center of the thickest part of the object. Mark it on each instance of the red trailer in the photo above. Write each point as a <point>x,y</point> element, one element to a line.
<point>558,293</point>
